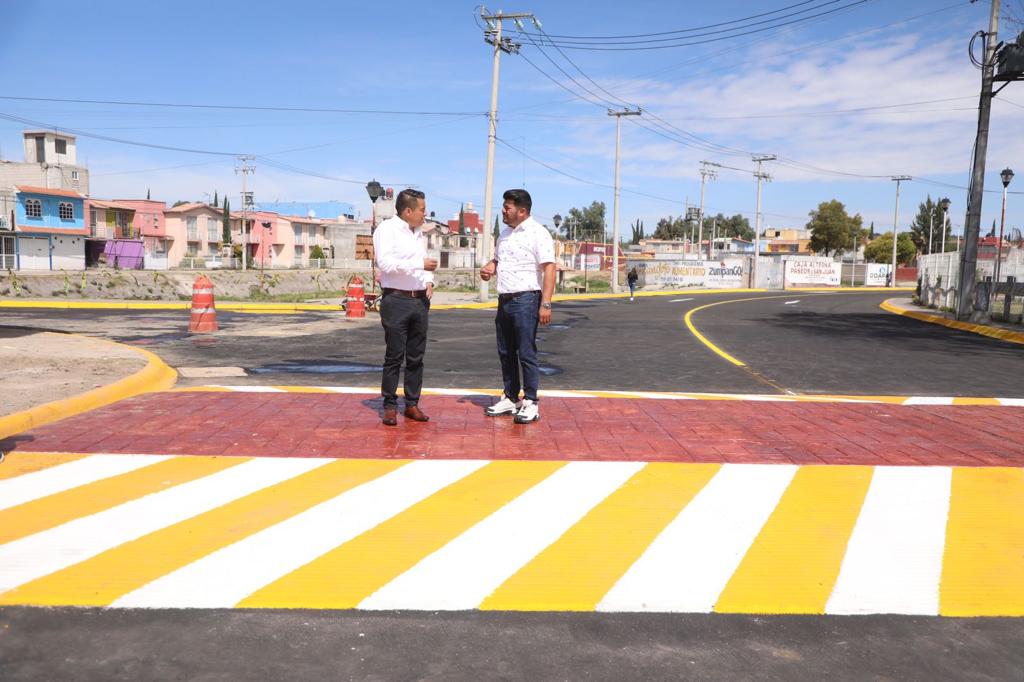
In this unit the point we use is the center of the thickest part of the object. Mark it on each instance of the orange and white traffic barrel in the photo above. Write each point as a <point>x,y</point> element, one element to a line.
<point>204,315</point>
<point>355,302</point>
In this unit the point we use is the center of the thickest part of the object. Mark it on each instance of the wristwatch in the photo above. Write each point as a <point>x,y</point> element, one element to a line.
<point>546,306</point>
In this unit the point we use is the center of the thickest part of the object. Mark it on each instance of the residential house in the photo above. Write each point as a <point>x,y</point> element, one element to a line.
<point>150,225</point>
<point>471,223</point>
<point>265,235</point>
<point>307,233</point>
<point>794,242</point>
<point>724,245</point>
<point>194,232</point>
<point>50,160</point>
<point>49,230</point>
<point>112,240</point>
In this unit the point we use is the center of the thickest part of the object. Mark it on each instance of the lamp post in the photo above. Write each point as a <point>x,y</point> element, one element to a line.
<point>944,205</point>
<point>895,222</point>
<point>375,190</point>
<point>1006,176</point>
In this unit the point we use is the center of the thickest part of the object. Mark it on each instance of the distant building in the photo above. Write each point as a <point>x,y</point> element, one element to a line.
<point>325,210</point>
<point>470,221</point>
<point>49,230</point>
<point>50,161</point>
<point>113,240</point>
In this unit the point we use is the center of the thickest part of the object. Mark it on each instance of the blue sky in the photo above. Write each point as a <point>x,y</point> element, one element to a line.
<point>787,91</point>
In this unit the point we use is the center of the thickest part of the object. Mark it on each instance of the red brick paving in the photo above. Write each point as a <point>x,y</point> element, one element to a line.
<point>340,425</point>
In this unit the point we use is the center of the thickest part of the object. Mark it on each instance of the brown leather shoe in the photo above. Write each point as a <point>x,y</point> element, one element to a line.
<point>414,413</point>
<point>390,416</point>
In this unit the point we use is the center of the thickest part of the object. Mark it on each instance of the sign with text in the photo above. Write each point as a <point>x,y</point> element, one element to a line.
<point>680,274</point>
<point>821,272</point>
<point>877,274</point>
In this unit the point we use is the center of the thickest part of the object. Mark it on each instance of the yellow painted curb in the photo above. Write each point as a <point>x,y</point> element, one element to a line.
<point>233,306</point>
<point>155,376</point>
<point>982,329</point>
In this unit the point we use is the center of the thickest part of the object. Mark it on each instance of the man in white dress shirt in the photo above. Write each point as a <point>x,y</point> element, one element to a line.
<point>407,283</point>
<point>525,267</point>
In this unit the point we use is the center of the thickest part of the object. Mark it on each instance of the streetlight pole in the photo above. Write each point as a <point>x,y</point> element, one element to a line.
<point>375,190</point>
<point>757,216</point>
<point>1006,176</point>
<point>896,222</point>
<point>492,35</point>
<point>615,210</point>
<point>245,168</point>
<point>944,205</point>
<point>931,219</point>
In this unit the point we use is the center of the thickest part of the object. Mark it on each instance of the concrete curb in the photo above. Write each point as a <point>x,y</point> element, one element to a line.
<point>155,376</point>
<point>982,329</point>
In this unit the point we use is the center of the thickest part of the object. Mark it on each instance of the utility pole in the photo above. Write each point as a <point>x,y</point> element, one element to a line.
<point>705,173</point>
<point>757,216</point>
<point>714,236</point>
<point>244,168</point>
<point>492,36</point>
<point>615,210</point>
<point>972,226</point>
<point>931,219</point>
<point>896,222</point>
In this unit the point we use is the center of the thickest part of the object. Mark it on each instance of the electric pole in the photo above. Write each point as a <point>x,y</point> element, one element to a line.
<point>757,216</point>
<point>492,36</point>
<point>244,168</point>
<point>615,210</point>
<point>896,222</point>
<point>972,226</point>
<point>705,173</point>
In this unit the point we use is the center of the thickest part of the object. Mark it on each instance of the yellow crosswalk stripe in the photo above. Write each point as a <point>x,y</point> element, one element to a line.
<point>793,564</point>
<point>106,577</point>
<point>983,568</point>
<point>575,572</point>
<point>54,510</point>
<point>976,401</point>
<point>19,463</point>
<point>345,576</point>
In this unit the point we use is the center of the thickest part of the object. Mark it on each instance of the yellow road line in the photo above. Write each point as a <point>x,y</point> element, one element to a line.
<point>106,577</point>
<point>983,567</point>
<point>793,564</point>
<point>342,578</point>
<point>976,401</point>
<point>19,463</point>
<point>575,572</point>
<point>54,510</point>
<point>703,339</point>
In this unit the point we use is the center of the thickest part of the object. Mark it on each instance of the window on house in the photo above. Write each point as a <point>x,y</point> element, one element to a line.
<point>40,149</point>
<point>61,146</point>
<point>213,229</point>
<point>74,175</point>
<point>92,218</point>
<point>33,208</point>
<point>66,210</point>
<point>192,228</point>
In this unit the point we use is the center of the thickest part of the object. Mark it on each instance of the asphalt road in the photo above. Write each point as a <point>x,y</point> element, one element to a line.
<point>834,343</point>
<point>306,645</point>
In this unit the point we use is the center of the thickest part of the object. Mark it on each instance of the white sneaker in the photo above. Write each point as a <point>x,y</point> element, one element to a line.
<point>503,406</point>
<point>529,412</point>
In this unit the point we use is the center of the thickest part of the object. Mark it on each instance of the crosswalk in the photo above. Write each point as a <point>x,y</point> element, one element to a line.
<point>144,531</point>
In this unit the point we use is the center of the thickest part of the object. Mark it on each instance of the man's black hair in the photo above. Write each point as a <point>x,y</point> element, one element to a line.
<point>407,198</point>
<point>519,198</point>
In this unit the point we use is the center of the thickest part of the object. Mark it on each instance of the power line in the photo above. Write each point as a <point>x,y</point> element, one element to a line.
<point>643,46</point>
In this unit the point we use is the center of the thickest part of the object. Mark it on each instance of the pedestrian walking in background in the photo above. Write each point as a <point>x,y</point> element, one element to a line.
<point>631,279</point>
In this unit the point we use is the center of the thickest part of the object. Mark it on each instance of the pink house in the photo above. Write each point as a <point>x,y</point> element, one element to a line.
<point>149,224</point>
<point>198,234</point>
<point>266,233</point>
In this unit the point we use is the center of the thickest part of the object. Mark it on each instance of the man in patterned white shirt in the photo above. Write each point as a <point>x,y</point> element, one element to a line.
<point>407,282</point>
<point>525,268</point>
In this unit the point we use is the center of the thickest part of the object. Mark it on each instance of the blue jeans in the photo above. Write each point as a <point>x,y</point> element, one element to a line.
<point>516,327</point>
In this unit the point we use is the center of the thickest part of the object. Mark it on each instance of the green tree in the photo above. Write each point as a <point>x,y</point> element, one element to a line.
<point>880,249</point>
<point>671,228</point>
<point>832,229</point>
<point>215,201</point>
<point>178,203</point>
<point>497,228</point>
<point>638,232</point>
<point>589,222</point>
<point>927,211</point>
<point>147,194</point>
<point>724,228</point>
<point>871,234</point>
<point>227,221</point>
<point>316,253</point>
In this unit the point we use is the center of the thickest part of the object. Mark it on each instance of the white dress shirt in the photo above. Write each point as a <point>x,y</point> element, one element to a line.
<point>399,252</point>
<point>521,252</point>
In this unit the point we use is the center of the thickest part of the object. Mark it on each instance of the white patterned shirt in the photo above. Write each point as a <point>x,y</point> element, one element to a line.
<point>399,253</point>
<point>520,253</point>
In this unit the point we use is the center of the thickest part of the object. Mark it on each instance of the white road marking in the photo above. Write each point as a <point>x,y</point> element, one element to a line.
<point>791,302</point>
<point>28,487</point>
<point>680,300</point>
<point>893,561</point>
<point>464,572</point>
<point>229,575</point>
<point>43,553</point>
<point>688,565</point>
<point>927,400</point>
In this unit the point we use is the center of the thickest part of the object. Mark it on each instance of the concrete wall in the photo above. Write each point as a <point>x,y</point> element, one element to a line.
<point>38,175</point>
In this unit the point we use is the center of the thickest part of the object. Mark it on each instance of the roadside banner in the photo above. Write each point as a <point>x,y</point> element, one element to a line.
<point>680,274</point>
<point>730,273</point>
<point>812,271</point>
<point>877,274</point>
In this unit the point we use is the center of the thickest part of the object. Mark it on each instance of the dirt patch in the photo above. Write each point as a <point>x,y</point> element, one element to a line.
<point>40,367</point>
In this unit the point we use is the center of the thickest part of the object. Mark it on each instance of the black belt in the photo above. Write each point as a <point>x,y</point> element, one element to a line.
<point>517,294</point>
<point>419,293</point>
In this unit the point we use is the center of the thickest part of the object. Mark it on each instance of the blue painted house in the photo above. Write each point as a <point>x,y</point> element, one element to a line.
<point>49,230</point>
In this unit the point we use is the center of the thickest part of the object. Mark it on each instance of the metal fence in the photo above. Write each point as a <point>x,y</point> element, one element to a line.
<point>939,284</point>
